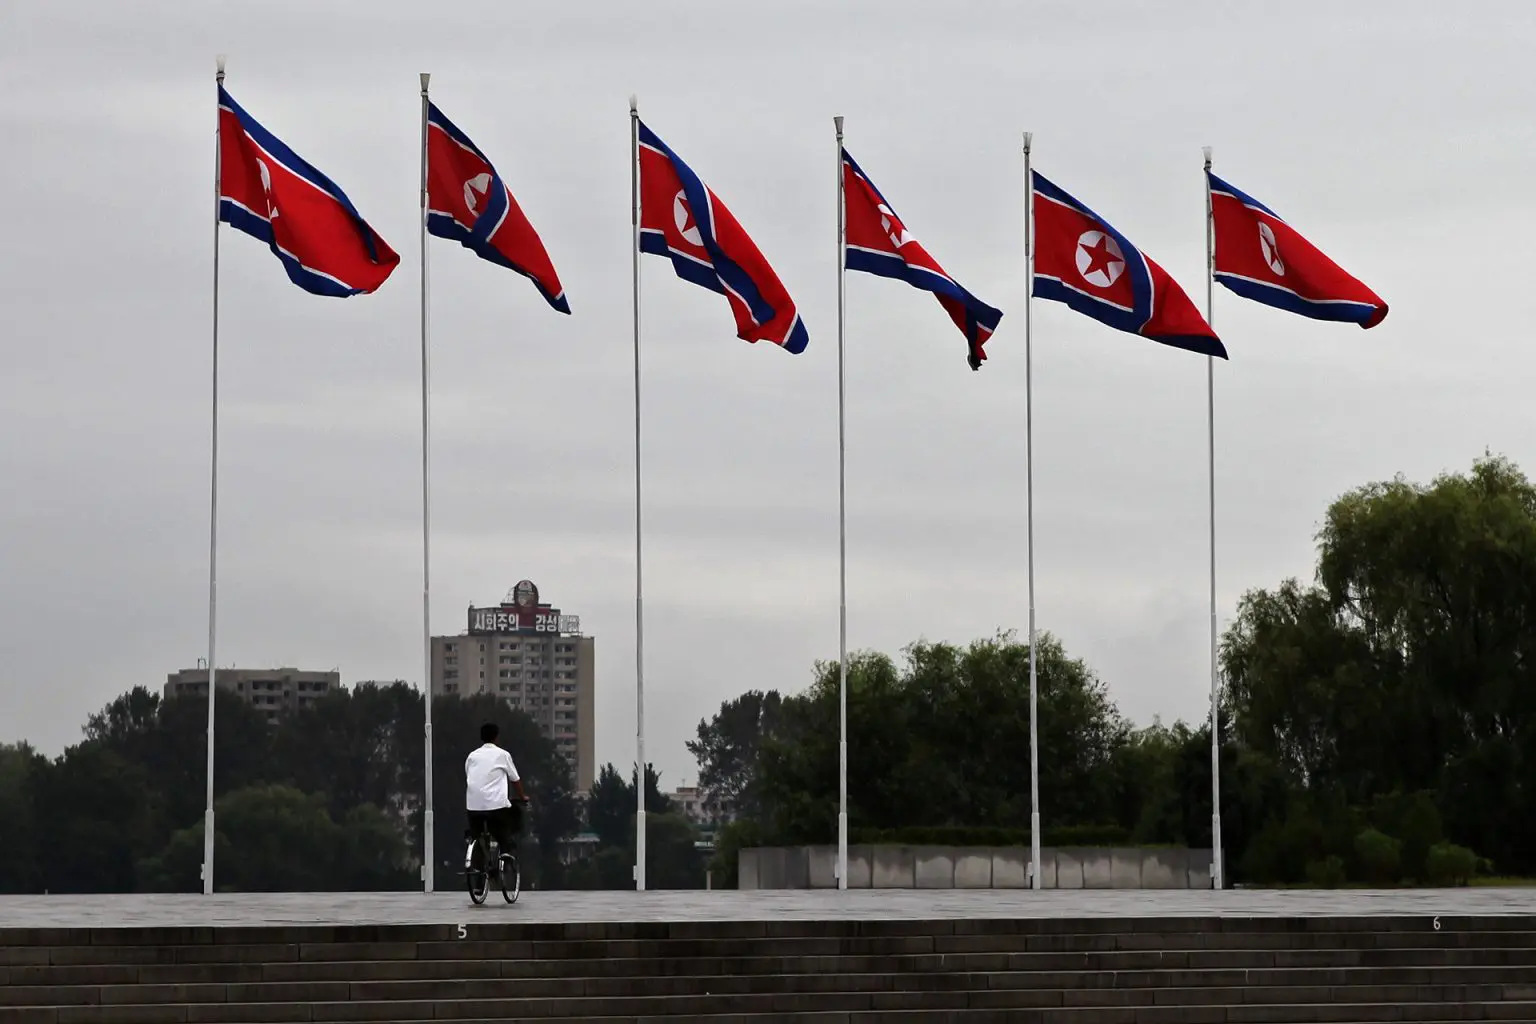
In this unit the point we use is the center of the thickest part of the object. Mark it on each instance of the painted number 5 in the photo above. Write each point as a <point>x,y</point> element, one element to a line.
<point>464,929</point>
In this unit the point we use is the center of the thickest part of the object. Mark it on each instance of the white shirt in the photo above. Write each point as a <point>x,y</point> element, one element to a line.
<point>487,771</point>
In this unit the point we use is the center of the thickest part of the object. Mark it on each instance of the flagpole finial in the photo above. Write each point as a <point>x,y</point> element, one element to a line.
<point>634,104</point>
<point>1207,151</point>
<point>219,62</point>
<point>426,76</point>
<point>838,122</point>
<point>1029,138</point>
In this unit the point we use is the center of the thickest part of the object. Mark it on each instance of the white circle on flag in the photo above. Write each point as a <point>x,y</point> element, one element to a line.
<point>682,216</point>
<point>475,186</point>
<point>266,187</point>
<point>1100,260</point>
<point>893,228</point>
<point>1270,249</point>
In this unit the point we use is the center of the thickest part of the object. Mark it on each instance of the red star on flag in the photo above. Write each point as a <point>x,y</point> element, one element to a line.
<point>1101,258</point>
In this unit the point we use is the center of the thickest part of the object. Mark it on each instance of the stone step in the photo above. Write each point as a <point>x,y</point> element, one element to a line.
<point>1061,972</point>
<point>1190,1005</point>
<point>1069,988</point>
<point>569,950</point>
<point>629,967</point>
<point>1212,1015</point>
<point>501,923</point>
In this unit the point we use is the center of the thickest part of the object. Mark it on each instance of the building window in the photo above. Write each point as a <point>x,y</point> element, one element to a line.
<point>451,673</point>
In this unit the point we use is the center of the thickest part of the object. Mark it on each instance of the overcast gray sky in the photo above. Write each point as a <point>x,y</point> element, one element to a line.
<point>1397,135</point>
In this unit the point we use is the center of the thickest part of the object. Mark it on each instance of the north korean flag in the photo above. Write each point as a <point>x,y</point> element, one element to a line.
<point>1261,257</point>
<point>1083,261</point>
<point>268,192</point>
<point>469,203</point>
<point>682,219</point>
<point>877,242</point>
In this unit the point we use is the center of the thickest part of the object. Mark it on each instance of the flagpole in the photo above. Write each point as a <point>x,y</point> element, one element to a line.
<point>1217,865</point>
<point>213,500</point>
<point>842,528</point>
<point>428,839</point>
<point>634,219</point>
<point>1029,491</point>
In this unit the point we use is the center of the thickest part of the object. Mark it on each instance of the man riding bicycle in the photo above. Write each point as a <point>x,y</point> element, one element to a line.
<point>487,773</point>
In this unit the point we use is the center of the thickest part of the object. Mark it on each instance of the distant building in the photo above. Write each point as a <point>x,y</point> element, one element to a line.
<point>695,804</point>
<point>274,691</point>
<point>536,659</point>
<point>577,847</point>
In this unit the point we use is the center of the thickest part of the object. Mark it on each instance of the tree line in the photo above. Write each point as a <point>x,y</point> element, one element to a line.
<point>327,798</point>
<point>1377,725</point>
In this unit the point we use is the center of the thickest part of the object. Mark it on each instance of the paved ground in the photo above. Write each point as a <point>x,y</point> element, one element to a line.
<point>256,909</point>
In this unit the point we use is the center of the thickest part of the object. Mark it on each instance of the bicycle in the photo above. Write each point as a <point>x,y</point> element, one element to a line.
<point>484,862</point>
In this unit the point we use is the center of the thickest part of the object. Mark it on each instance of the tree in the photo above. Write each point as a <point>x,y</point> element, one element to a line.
<point>353,746</point>
<point>339,782</point>
<point>168,741</point>
<point>1411,664</point>
<point>672,857</point>
<point>273,838</point>
<point>20,869</point>
<point>727,751</point>
<point>95,810</point>
<point>611,817</point>
<point>611,804</point>
<point>1147,775</point>
<point>127,722</point>
<point>280,840</point>
<point>939,740</point>
<point>371,853</point>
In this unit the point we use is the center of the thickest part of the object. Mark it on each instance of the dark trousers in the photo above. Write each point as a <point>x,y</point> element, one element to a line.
<point>504,824</point>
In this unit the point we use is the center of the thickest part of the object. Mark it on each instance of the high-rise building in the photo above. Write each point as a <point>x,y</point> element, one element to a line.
<point>273,691</point>
<point>536,659</point>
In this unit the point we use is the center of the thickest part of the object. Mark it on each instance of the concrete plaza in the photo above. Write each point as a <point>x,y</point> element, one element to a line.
<point>453,907</point>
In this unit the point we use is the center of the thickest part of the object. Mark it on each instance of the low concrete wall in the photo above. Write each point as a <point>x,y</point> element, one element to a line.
<point>979,867</point>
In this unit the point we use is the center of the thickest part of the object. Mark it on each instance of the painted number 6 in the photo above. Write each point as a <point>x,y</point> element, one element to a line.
<point>1437,924</point>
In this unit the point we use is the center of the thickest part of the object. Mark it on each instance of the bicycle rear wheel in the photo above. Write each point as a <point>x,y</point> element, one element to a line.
<point>511,878</point>
<point>476,878</point>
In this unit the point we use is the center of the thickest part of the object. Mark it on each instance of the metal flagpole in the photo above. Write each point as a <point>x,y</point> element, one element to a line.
<point>1029,491</point>
<point>428,839</point>
<point>213,501</point>
<point>1217,865</point>
<point>842,530</point>
<point>634,217</point>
